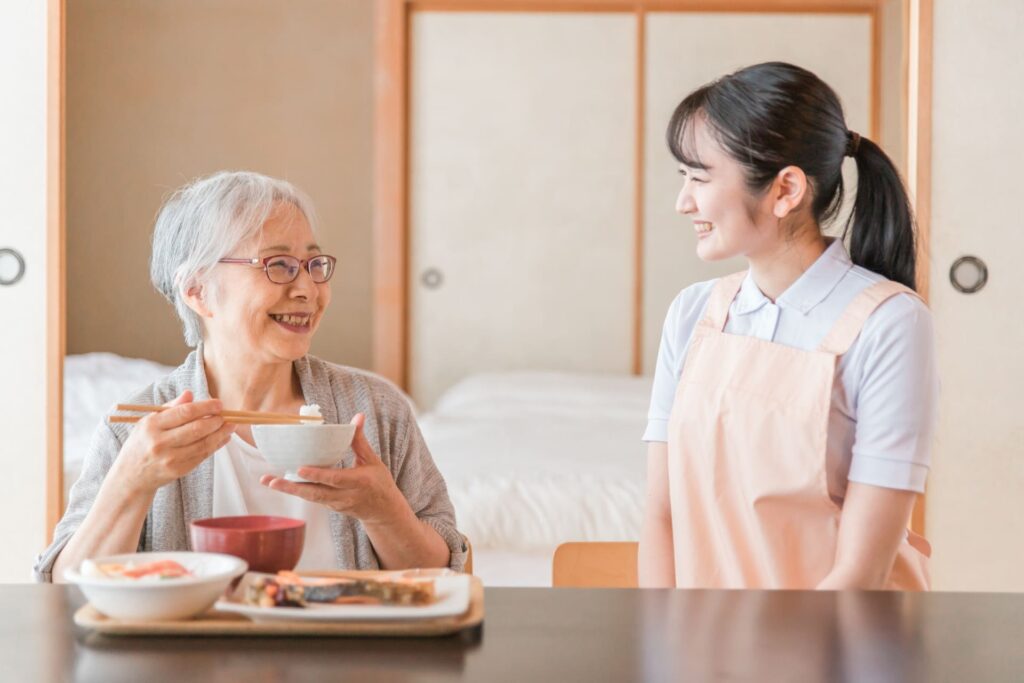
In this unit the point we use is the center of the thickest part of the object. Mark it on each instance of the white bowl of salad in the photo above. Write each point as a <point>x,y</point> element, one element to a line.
<point>156,586</point>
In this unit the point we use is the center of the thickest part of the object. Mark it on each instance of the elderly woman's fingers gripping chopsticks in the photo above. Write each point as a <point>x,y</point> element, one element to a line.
<point>189,422</point>
<point>169,444</point>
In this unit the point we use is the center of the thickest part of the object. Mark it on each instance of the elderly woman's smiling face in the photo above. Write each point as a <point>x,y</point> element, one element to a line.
<point>268,321</point>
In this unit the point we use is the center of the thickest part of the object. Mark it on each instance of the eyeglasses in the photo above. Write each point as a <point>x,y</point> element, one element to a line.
<point>282,269</point>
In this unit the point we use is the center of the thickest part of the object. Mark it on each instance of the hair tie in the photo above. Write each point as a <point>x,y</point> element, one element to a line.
<point>852,143</point>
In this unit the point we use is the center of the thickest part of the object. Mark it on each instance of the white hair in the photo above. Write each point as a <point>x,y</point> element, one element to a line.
<point>205,221</point>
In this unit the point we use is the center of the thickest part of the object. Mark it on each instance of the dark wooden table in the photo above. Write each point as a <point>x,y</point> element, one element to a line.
<point>533,634</point>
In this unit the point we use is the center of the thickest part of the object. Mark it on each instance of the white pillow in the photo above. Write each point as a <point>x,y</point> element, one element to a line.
<point>549,394</point>
<point>93,384</point>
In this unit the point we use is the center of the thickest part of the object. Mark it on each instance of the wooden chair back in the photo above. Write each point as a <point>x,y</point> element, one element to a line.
<point>595,565</point>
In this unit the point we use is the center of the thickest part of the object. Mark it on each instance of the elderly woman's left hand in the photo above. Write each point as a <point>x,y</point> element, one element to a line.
<point>365,491</point>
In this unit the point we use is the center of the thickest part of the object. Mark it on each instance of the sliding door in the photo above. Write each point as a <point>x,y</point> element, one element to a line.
<point>521,194</point>
<point>29,296</point>
<point>974,497</point>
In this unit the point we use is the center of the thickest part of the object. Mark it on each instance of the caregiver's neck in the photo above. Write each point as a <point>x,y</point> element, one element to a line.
<point>782,263</point>
<point>244,384</point>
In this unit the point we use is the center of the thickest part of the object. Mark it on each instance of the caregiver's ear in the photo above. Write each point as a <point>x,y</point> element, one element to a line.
<point>197,297</point>
<point>788,190</point>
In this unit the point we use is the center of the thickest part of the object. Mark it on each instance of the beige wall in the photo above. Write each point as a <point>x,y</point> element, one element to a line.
<point>159,92</point>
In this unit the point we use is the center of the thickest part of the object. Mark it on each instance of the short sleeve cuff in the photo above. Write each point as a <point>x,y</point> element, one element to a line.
<point>657,430</point>
<point>457,544</point>
<point>888,473</point>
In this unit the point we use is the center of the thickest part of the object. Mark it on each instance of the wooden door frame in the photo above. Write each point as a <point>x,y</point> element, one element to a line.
<point>918,89</point>
<point>918,86</point>
<point>56,299</point>
<point>391,140</point>
<point>390,339</point>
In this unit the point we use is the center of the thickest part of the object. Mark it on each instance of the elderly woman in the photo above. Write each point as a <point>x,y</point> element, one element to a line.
<point>236,255</point>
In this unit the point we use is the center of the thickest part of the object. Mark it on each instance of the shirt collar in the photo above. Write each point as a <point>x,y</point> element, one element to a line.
<point>749,299</point>
<point>810,289</point>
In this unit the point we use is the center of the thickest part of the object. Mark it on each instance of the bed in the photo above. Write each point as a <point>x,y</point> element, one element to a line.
<point>531,459</point>
<point>535,459</point>
<point>93,384</point>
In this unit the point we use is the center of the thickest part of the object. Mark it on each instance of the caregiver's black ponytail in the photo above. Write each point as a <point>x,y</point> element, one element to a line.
<point>881,225</point>
<point>774,115</point>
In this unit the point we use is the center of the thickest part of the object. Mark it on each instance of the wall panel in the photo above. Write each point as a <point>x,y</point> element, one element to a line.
<point>161,92</point>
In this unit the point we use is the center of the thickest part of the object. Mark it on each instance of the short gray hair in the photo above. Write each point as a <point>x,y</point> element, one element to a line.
<point>205,221</point>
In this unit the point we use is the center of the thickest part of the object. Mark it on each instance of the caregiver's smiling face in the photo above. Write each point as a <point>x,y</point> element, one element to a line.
<point>263,320</point>
<point>729,220</point>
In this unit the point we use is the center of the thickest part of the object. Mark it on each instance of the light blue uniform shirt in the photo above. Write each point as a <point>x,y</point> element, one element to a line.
<point>886,388</point>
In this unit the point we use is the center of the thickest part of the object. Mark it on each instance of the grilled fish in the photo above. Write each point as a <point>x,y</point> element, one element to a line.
<point>289,590</point>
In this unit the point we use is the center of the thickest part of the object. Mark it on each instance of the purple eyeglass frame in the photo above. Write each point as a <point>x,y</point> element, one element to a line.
<point>261,263</point>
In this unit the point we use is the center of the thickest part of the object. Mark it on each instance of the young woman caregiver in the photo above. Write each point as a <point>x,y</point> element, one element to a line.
<point>794,402</point>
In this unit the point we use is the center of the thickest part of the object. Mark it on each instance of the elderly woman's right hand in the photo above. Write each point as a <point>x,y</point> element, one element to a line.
<point>168,445</point>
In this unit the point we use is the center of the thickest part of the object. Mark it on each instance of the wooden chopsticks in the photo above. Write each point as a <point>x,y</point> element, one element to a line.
<point>242,417</point>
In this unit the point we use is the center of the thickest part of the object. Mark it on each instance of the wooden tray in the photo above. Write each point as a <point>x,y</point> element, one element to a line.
<point>216,623</point>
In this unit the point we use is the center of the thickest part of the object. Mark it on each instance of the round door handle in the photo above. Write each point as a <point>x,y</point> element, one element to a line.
<point>12,266</point>
<point>432,278</point>
<point>968,274</point>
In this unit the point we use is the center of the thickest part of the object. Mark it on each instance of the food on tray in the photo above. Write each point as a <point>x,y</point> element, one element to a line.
<point>139,571</point>
<point>288,589</point>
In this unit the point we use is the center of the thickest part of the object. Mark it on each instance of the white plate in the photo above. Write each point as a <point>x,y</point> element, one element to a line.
<point>452,591</point>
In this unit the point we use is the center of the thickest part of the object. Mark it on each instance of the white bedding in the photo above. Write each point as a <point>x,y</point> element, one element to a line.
<point>533,460</point>
<point>93,384</point>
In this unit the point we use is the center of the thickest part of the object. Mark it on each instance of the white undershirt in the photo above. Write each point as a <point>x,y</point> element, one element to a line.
<point>237,468</point>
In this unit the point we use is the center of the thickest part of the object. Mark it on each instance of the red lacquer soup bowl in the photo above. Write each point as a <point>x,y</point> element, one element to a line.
<point>268,544</point>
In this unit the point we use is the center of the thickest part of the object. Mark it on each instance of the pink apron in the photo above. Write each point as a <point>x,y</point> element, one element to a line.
<point>746,456</point>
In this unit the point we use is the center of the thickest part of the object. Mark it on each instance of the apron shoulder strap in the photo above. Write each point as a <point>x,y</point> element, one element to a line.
<point>848,327</point>
<point>725,290</point>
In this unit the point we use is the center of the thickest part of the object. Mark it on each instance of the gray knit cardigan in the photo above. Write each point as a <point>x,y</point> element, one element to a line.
<point>340,392</point>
